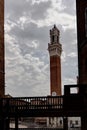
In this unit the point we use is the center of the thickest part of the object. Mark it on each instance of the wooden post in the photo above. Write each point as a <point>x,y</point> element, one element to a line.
<point>16,122</point>
<point>84,123</point>
<point>1,115</point>
<point>7,118</point>
<point>65,123</point>
<point>2,123</point>
<point>16,118</point>
<point>7,123</point>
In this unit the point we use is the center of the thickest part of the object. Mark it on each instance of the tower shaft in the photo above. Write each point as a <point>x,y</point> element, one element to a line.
<point>55,74</point>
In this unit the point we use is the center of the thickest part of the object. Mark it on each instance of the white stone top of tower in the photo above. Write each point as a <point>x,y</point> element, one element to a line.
<point>55,30</point>
<point>54,47</point>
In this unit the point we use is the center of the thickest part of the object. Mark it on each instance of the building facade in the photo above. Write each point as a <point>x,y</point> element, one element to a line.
<point>81,6</point>
<point>55,49</point>
<point>2,64</point>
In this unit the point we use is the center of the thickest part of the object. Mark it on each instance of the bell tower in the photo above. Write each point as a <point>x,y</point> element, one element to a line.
<point>55,49</point>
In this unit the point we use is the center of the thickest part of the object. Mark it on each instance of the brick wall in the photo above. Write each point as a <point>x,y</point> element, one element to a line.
<point>55,74</point>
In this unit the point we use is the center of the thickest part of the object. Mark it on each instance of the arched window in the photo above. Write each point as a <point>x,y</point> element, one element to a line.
<point>57,39</point>
<point>53,38</point>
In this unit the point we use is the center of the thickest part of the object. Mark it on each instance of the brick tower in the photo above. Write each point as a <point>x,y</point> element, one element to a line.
<point>55,49</point>
<point>2,78</point>
<point>81,6</point>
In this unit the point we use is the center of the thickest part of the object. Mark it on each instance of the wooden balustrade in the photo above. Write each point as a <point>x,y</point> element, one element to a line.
<point>28,103</point>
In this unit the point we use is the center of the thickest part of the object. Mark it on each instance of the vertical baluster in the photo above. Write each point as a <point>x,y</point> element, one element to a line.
<point>59,102</point>
<point>26,103</point>
<point>39,107</point>
<point>45,102</point>
<point>62,101</point>
<point>39,102</point>
<point>56,101</point>
<point>30,104</point>
<point>16,123</point>
<point>52,102</point>
<point>35,102</point>
<point>11,105</point>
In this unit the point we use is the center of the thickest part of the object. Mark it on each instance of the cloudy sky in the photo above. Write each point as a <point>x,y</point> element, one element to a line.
<point>27,25</point>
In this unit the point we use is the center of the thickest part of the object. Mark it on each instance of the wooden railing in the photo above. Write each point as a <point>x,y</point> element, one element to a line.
<point>38,129</point>
<point>31,103</point>
<point>79,128</point>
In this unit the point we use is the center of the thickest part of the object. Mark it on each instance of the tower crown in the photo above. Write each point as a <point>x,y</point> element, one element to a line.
<point>54,35</point>
<point>54,47</point>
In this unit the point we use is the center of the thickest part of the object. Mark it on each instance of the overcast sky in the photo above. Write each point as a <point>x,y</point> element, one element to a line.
<point>27,25</point>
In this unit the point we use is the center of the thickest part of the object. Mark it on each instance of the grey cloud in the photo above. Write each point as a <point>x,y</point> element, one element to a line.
<point>15,9</point>
<point>69,65</point>
<point>40,10</point>
<point>68,3</point>
<point>25,72</point>
<point>68,40</point>
<point>28,34</point>
<point>30,31</point>
<point>68,6</point>
<point>36,11</point>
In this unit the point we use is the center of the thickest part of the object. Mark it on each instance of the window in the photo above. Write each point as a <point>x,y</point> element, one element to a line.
<point>52,38</point>
<point>71,122</point>
<point>76,122</point>
<point>86,21</point>
<point>60,122</point>
<point>57,39</point>
<point>74,90</point>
